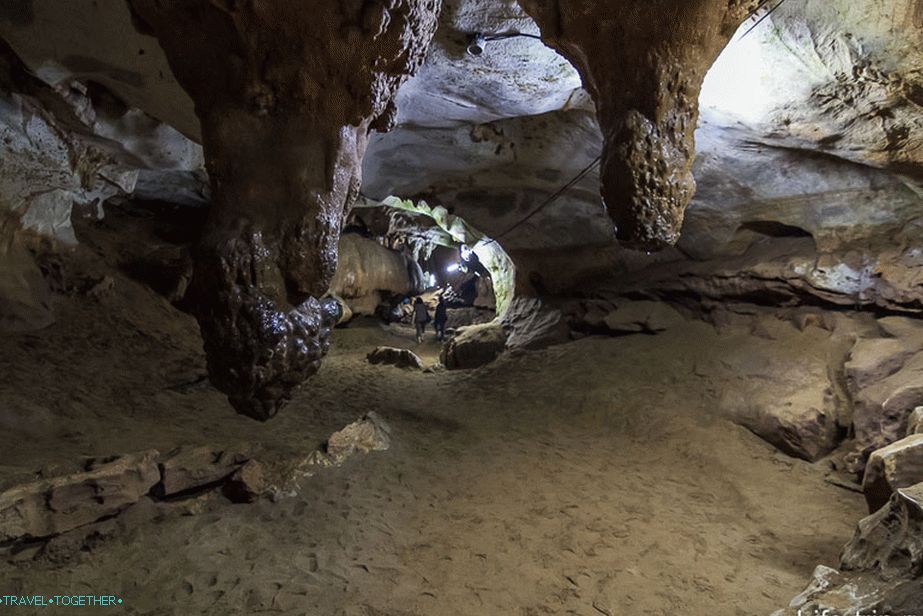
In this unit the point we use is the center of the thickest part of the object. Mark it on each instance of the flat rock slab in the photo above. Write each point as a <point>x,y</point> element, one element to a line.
<point>875,359</point>
<point>189,468</point>
<point>401,358</point>
<point>899,465</point>
<point>52,506</point>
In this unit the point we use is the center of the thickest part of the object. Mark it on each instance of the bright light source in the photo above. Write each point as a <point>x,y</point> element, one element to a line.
<point>432,280</point>
<point>453,268</point>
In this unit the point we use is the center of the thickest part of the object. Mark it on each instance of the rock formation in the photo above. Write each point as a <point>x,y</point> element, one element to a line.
<point>644,64</point>
<point>880,567</point>
<point>285,109</point>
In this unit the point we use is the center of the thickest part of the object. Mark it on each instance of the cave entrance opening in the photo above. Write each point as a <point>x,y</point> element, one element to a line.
<point>394,250</point>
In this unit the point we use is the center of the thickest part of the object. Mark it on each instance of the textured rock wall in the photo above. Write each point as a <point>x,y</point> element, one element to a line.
<point>286,98</point>
<point>644,63</point>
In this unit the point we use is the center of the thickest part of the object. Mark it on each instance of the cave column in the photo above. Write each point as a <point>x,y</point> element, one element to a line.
<point>643,61</point>
<point>286,92</point>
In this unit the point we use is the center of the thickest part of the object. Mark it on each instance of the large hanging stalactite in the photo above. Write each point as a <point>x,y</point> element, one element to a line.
<point>643,61</point>
<point>286,94</point>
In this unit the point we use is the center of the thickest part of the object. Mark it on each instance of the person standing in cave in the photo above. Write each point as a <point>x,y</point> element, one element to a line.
<point>420,317</point>
<point>442,316</point>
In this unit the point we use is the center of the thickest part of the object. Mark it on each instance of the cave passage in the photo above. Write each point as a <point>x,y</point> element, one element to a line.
<point>454,307</point>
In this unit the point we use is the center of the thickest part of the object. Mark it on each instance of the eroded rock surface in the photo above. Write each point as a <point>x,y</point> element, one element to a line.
<point>53,506</point>
<point>899,465</point>
<point>880,569</point>
<point>285,109</point>
<point>644,64</point>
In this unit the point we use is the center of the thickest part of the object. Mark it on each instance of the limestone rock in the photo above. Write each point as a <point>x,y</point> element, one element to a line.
<point>366,269</point>
<point>915,422</point>
<point>474,346</point>
<point>533,324</point>
<point>882,410</point>
<point>248,483</point>
<point>285,126</point>
<point>52,506</point>
<point>642,316</point>
<point>25,299</point>
<point>880,568</point>
<point>645,79</point>
<point>370,433</point>
<point>401,358</point>
<point>899,465</point>
<point>190,468</point>
<point>872,360</point>
<point>783,393</point>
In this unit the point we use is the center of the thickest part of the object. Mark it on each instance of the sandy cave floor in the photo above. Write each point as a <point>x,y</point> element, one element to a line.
<point>590,478</point>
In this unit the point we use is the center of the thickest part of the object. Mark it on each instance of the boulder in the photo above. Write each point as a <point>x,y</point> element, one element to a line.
<point>899,465</point>
<point>474,346</point>
<point>402,358</point>
<point>370,433</point>
<point>882,410</point>
<point>248,483</point>
<point>52,506</point>
<point>190,468</point>
<point>642,317</point>
<point>781,390</point>
<point>533,324</point>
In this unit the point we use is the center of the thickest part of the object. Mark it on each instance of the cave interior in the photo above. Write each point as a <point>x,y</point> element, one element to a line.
<point>424,307</point>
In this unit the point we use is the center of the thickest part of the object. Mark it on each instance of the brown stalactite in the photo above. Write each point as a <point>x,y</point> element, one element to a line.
<point>643,61</point>
<point>286,92</point>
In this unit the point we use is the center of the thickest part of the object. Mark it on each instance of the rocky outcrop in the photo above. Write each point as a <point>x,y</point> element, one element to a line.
<point>644,65</point>
<point>882,410</point>
<point>400,358</point>
<point>53,506</point>
<point>899,465</point>
<point>880,569</point>
<point>285,109</point>
<point>367,271</point>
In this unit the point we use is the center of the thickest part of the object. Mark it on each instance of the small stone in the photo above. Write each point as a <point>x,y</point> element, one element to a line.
<point>247,484</point>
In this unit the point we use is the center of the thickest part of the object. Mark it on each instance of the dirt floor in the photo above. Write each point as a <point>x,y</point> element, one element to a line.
<point>590,478</point>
